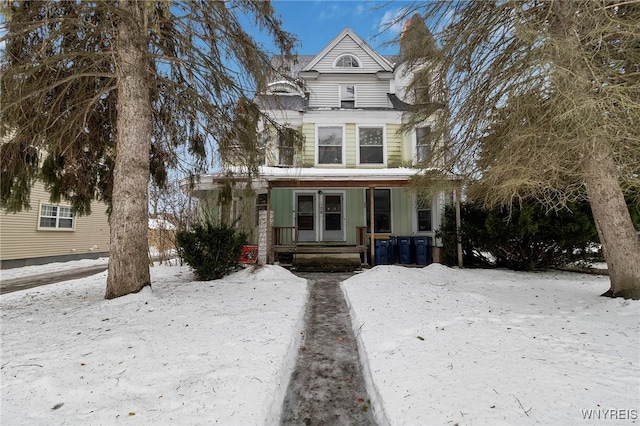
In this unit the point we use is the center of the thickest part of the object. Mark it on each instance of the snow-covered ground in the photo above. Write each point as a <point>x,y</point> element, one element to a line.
<point>449,346</point>
<point>440,346</point>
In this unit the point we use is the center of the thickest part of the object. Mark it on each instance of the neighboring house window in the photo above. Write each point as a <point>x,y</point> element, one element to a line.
<point>330,145</point>
<point>423,143</point>
<point>55,217</point>
<point>371,145</point>
<point>347,96</point>
<point>347,61</point>
<point>381,211</point>
<point>423,207</point>
<point>285,147</point>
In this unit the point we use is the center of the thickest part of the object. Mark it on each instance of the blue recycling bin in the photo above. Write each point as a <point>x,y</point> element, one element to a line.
<point>392,250</point>
<point>422,248</point>
<point>382,251</point>
<point>405,254</point>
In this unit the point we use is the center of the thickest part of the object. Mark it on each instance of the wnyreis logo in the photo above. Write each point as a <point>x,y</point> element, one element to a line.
<point>609,414</point>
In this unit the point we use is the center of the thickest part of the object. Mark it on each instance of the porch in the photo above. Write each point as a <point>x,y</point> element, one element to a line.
<point>285,243</point>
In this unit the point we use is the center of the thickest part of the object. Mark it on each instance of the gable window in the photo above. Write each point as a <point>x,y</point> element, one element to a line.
<point>347,96</point>
<point>371,145</point>
<point>347,61</point>
<point>423,144</point>
<point>423,209</point>
<point>330,145</point>
<point>381,211</point>
<point>55,217</point>
<point>285,147</point>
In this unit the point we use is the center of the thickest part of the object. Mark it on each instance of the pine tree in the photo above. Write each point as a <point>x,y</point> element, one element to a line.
<point>544,103</point>
<point>97,97</point>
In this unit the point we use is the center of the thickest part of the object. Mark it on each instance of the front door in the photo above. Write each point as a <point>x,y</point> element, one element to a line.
<point>333,217</point>
<point>306,216</point>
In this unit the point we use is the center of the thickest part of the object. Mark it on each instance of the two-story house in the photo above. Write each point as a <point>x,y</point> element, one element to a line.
<point>348,185</point>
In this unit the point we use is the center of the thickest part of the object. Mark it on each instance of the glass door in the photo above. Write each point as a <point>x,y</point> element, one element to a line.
<point>333,218</point>
<point>306,217</point>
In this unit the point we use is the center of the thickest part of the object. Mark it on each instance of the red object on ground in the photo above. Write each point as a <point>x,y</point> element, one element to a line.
<point>249,254</point>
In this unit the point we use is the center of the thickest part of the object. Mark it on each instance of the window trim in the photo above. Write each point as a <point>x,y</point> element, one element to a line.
<point>57,228</point>
<point>317,143</point>
<point>355,95</point>
<point>345,55</point>
<point>384,145</point>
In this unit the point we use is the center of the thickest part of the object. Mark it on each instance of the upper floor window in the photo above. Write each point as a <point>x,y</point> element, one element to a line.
<point>423,143</point>
<point>347,61</point>
<point>371,145</point>
<point>330,145</point>
<point>348,96</point>
<point>285,147</point>
<point>55,217</point>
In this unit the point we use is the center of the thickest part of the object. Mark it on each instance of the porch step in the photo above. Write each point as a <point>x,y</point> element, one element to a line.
<point>327,262</point>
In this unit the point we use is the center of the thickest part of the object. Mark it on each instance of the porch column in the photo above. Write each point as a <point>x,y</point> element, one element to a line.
<point>372,225</point>
<point>269,259</point>
<point>456,194</point>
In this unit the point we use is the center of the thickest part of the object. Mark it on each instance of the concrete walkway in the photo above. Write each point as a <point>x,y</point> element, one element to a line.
<point>327,387</point>
<point>15,284</point>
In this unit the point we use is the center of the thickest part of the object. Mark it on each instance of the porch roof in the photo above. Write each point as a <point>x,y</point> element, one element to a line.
<point>296,177</point>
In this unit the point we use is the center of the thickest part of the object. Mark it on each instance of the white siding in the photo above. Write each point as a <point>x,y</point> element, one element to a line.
<point>370,91</point>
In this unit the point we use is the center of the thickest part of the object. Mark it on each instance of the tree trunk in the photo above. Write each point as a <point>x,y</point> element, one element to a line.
<point>618,236</point>
<point>128,260</point>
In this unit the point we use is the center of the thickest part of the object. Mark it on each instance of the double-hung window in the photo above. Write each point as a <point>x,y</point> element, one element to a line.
<point>423,210</point>
<point>285,147</point>
<point>330,145</point>
<point>423,144</point>
<point>371,145</point>
<point>55,217</point>
<point>348,96</point>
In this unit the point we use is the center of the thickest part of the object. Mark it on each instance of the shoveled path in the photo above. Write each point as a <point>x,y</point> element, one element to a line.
<point>327,387</point>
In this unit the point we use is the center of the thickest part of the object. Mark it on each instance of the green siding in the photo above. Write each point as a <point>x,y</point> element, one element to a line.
<point>282,206</point>
<point>309,149</point>
<point>401,211</point>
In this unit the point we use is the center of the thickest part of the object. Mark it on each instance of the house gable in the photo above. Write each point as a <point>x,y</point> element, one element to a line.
<point>348,43</point>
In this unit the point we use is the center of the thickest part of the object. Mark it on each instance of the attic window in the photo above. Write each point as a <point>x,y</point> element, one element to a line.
<point>347,61</point>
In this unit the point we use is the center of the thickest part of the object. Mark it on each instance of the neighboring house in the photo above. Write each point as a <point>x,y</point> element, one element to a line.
<point>50,232</point>
<point>349,184</point>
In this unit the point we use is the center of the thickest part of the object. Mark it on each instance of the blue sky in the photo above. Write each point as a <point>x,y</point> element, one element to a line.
<point>317,22</point>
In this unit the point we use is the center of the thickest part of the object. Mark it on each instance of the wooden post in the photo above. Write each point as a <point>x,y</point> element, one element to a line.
<point>458,226</point>
<point>269,242</point>
<point>372,225</point>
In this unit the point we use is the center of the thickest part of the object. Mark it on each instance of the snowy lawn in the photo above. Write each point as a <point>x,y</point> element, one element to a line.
<point>185,353</point>
<point>449,346</point>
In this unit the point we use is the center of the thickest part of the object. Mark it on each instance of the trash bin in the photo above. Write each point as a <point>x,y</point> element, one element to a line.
<point>393,250</point>
<point>422,247</point>
<point>405,255</point>
<point>382,251</point>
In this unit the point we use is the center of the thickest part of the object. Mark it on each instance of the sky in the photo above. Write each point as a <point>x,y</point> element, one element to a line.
<point>317,22</point>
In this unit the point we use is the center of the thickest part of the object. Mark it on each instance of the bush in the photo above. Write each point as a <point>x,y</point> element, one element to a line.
<point>520,239</point>
<point>212,251</point>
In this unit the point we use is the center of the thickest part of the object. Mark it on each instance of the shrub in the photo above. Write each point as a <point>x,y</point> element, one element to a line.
<point>522,239</point>
<point>212,251</point>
